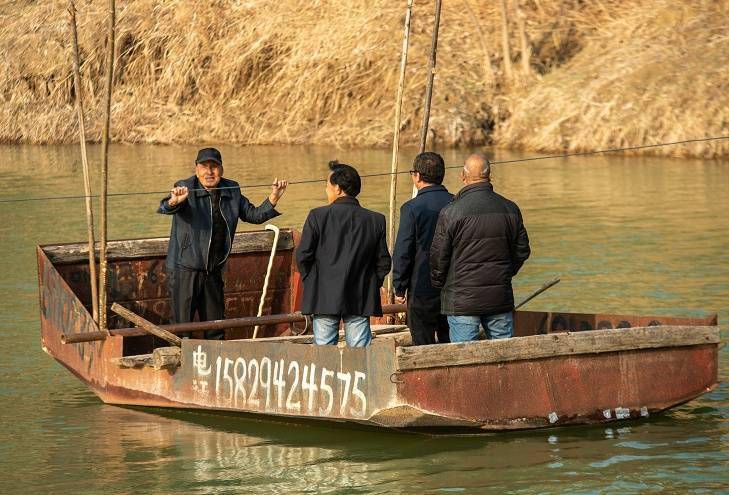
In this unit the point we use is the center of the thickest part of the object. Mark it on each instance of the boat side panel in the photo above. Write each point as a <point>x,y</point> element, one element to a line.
<point>141,285</point>
<point>539,322</point>
<point>61,313</point>
<point>156,247</point>
<point>563,390</point>
<point>275,378</point>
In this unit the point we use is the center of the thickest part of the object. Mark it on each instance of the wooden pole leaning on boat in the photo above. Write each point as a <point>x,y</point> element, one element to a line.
<point>268,273</point>
<point>84,161</point>
<point>248,321</point>
<point>534,294</point>
<point>145,325</point>
<point>105,164</point>
<point>396,143</point>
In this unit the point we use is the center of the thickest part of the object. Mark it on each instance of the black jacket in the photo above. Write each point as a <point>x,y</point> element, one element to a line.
<point>343,260</point>
<point>410,270</point>
<point>480,243</point>
<point>192,225</point>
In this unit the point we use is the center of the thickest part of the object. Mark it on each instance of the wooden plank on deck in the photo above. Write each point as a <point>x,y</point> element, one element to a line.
<point>550,345</point>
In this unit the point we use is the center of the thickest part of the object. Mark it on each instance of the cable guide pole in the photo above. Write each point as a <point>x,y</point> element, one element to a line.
<point>84,161</point>
<point>396,142</point>
<point>105,164</point>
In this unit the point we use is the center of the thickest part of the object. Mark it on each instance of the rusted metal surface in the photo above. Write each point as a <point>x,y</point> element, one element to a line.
<point>156,247</point>
<point>141,286</point>
<point>564,390</point>
<point>538,323</point>
<point>363,385</point>
<point>231,323</point>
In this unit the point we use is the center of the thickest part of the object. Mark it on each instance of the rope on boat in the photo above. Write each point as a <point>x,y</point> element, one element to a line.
<point>380,174</point>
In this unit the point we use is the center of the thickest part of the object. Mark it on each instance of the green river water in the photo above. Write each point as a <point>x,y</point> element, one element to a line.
<point>626,235</point>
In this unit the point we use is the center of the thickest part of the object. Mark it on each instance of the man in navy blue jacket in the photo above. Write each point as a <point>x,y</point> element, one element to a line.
<point>206,209</point>
<point>411,277</point>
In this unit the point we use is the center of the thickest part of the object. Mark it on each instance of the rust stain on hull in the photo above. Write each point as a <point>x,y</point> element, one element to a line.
<point>564,390</point>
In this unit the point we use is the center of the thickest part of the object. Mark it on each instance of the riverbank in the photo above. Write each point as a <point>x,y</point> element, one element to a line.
<point>578,76</point>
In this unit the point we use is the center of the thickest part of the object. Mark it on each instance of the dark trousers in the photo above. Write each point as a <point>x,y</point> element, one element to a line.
<point>198,292</point>
<point>425,321</point>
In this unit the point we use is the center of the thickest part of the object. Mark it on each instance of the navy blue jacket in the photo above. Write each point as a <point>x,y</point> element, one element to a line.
<point>343,259</point>
<point>418,218</point>
<point>192,225</point>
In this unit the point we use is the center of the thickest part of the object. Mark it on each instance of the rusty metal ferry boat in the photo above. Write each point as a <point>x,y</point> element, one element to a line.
<point>560,369</point>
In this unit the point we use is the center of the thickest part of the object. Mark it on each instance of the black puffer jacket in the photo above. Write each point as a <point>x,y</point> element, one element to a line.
<point>480,243</point>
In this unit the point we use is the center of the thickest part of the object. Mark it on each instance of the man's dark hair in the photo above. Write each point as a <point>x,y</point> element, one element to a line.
<point>346,177</point>
<point>431,167</point>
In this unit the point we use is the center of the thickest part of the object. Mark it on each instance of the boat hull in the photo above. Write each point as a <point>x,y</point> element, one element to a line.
<point>547,378</point>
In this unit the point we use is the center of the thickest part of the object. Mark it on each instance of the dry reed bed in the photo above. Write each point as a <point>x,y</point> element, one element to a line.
<point>602,74</point>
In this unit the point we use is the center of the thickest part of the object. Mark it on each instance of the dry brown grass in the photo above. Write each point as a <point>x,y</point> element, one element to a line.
<point>657,72</point>
<point>300,71</point>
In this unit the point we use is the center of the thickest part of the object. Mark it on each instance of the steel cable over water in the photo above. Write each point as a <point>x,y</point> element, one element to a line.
<point>379,174</point>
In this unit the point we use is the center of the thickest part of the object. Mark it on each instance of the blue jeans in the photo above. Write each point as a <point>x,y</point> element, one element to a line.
<point>356,330</point>
<point>465,328</point>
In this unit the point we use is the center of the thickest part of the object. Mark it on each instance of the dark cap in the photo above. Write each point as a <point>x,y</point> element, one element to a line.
<point>209,155</point>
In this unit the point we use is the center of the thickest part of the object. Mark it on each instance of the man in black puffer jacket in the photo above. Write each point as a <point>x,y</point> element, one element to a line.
<point>480,243</point>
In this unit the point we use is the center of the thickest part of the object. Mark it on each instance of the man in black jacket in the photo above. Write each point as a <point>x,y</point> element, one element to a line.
<point>480,243</point>
<point>343,260</point>
<point>410,257</point>
<point>206,209</point>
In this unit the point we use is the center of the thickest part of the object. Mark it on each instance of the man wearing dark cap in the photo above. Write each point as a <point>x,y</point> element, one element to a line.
<point>343,260</point>
<point>206,209</point>
<point>410,268</point>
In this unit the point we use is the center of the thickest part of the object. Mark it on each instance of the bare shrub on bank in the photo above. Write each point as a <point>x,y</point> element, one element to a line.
<point>598,75</point>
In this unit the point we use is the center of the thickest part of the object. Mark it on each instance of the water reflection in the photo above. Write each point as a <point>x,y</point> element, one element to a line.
<point>210,453</point>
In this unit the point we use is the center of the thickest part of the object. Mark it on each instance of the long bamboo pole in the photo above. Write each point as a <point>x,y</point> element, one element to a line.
<point>431,77</point>
<point>429,86</point>
<point>84,162</point>
<point>396,141</point>
<point>105,163</point>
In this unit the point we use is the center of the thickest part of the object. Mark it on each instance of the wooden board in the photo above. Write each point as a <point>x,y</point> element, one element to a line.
<point>137,361</point>
<point>244,242</point>
<point>557,344</point>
